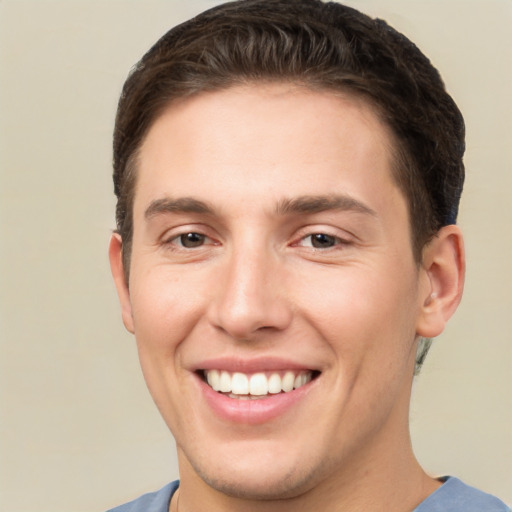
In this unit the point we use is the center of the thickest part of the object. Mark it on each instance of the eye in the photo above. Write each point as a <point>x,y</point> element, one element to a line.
<point>190,240</point>
<point>320,241</point>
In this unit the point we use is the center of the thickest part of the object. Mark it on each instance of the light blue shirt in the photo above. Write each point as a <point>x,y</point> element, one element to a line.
<point>452,496</point>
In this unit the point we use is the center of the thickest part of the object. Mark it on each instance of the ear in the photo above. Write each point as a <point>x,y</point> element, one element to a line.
<point>443,268</point>
<point>115,254</point>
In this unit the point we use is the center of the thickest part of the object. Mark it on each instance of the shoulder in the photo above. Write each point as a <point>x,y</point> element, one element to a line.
<point>152,502</point>
<point>456,496</point>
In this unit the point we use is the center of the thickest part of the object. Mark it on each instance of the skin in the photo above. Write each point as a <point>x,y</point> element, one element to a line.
<point>256,287</point>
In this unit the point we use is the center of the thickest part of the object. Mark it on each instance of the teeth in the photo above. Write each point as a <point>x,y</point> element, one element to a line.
<point>258,384</point>
<point>300,380</point>
<point>274,384</point>
<point>213,378</point>
<point>288,381</point>
<point>225,382</point>
<point>241,385</point>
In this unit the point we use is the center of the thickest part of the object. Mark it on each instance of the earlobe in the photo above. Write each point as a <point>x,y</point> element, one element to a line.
<point>443,267</point>
<point>115,253</point>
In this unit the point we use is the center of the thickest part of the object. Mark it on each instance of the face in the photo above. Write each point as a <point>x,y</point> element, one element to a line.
<point>273,291</point>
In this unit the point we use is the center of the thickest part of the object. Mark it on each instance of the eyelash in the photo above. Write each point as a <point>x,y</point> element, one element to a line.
<point>178,240</point>
<point>319,237</point>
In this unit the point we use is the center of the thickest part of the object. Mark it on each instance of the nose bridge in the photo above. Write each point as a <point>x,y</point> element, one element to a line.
<point>251,295</point>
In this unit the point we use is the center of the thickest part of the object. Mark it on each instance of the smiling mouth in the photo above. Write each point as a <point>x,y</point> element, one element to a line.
<point>259,385</point>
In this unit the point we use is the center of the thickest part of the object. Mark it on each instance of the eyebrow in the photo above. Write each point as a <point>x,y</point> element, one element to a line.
<point>301,204</point>
<point>317,204</point>
<point>180,205</point>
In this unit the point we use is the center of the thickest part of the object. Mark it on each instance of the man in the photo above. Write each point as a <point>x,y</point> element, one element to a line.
<point>288,176</point>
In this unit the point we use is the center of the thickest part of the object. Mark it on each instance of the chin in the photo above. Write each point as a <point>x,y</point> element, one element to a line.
<point>261,479</point>
<point>264,488</point>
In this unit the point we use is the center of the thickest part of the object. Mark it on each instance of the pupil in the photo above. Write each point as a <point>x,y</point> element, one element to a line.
<point>191,240</point>
<point>321,240</point>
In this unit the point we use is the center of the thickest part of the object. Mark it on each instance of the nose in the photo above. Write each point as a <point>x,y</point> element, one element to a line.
<point>251,295</point>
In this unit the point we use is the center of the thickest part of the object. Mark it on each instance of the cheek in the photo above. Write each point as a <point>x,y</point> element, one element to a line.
<point>165,308</point>
<point>363,313</point>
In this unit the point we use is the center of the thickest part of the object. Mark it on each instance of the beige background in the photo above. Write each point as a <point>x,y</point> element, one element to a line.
<point>78,430</point>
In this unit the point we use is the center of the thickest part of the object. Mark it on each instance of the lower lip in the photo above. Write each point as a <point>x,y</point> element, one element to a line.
<point>253,411</point>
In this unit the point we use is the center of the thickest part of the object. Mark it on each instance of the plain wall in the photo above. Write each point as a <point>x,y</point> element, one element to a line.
<point>78,429</point>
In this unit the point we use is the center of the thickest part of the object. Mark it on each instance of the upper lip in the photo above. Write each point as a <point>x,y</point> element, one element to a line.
<point>253,365</point>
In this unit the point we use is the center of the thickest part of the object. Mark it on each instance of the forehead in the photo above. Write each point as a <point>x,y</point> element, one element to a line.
<point>275,139</point>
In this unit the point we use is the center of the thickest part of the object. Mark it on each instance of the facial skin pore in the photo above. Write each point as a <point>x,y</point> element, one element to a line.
<point>269,237</point>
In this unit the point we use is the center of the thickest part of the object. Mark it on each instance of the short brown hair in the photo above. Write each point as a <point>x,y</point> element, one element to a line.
<point>324,46</point>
